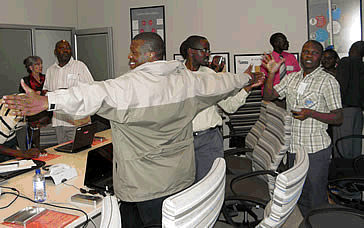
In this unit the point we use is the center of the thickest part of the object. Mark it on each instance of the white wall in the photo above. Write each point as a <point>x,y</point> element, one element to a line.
<point>234,26</point>
<point>39,12</point>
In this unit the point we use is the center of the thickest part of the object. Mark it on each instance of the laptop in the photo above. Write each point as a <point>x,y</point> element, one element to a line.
<point>98,173</point>
<point>83,139</point>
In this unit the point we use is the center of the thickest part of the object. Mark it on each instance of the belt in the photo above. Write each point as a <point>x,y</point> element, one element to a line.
<point>196,133</point>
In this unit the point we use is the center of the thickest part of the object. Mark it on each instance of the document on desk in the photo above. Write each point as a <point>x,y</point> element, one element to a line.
<point>44,218</point>
<point>9,166</point>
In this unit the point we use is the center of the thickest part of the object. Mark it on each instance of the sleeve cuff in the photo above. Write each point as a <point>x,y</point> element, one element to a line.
<point>243,94</point>
<point>52,107</point>
<point>51,101</point>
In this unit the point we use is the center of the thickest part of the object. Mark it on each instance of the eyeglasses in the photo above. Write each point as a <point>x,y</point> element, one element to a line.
<point>207,51</point>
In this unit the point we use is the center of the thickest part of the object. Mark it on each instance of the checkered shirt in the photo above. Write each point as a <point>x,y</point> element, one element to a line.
<point>322,94</point>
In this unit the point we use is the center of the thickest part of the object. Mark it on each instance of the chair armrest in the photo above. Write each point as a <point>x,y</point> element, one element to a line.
<point>237,151</point>
<point>347,179</point>
<point>343,138</point>
<point>330,209</point>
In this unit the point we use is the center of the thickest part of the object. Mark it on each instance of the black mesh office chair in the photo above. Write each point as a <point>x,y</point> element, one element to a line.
<point>240,122</point>
<point>346,176</point>
<point>333,216</point>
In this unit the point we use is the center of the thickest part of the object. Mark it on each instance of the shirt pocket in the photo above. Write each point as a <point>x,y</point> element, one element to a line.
<point>72,80</point>
<point>311,101</point>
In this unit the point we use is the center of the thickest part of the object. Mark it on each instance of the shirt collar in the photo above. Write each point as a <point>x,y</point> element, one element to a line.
<point>284,54</point>
<point>68,64</point>
<point>312,73</point>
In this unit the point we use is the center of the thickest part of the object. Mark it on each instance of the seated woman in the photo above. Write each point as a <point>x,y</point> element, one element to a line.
<point>35,80</point>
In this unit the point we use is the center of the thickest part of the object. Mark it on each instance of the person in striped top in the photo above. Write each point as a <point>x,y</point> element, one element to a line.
<point>8,142</point>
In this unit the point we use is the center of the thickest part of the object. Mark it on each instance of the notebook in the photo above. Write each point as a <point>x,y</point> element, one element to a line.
<point>83,139</point>
<point>8,175</point>
<point>98,173</point>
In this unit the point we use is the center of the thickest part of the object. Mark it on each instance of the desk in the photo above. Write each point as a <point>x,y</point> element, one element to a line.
<point>55,194</point>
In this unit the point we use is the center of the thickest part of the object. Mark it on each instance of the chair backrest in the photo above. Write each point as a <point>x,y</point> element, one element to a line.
<point>110,213</point>
<point>200,204</point>
<point>287,190</point>
<point>273,143</point>
<point>257,130</point>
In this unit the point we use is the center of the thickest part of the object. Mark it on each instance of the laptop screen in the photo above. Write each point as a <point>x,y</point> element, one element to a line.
<point>98,173</point>
<point>83,139</point>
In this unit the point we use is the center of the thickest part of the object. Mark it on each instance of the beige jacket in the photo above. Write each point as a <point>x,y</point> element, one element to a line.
<point>151,109</point>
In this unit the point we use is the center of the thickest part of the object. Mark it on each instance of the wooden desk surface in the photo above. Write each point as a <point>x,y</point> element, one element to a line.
<point>60,194</point>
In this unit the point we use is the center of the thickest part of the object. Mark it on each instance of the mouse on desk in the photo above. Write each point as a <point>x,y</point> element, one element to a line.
<point>60,173</point>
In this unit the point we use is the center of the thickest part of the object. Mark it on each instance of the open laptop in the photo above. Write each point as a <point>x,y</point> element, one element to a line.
<point>98,174</point>
<point>83,139</point>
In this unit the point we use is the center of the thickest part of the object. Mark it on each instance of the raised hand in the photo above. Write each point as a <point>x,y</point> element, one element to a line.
<point>258,79</point>
<point>27,104</point>
<point>270,64</point>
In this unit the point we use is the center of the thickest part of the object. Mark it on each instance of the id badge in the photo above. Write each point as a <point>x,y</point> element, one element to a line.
<point>301,88</point>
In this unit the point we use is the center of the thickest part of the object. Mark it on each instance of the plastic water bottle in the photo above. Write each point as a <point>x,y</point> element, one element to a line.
<point>39,186</point>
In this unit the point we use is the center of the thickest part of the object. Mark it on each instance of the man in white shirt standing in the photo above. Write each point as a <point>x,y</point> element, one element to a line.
<point>66,73</point>
<point>208,139</point>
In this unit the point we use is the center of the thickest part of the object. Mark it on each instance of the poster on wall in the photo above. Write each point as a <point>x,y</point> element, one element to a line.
<point>346,24</point>
<point>147,19</point>
<point>242,61</point>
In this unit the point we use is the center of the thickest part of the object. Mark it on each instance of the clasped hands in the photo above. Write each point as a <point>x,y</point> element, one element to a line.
<point>257,77</point>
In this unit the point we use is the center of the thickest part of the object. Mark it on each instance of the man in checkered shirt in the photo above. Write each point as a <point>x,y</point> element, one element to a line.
<point>313,97</point>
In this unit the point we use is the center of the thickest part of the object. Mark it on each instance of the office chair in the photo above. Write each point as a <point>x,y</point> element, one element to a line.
<point>266,157</point>
<point>278,207</point>
<point>198,205</point>
<point>110,213</point>
<point>346,177</point>
<point>333,216</point>
<point>287,190</point>
<point>241,157</point>
<point>275,125</point>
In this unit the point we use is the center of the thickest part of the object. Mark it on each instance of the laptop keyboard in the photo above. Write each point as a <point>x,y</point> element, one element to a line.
<point>66,146</point>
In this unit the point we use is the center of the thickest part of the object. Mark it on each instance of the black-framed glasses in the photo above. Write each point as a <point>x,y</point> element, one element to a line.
<point>207,51</point>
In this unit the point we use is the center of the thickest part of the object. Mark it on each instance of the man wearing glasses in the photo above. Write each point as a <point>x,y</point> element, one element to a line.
<point>208,140</point>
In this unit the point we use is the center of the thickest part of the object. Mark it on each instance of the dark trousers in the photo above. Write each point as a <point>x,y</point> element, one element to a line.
<point>208,146</point>
<point>142,214</point>
<point>314,190</point>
